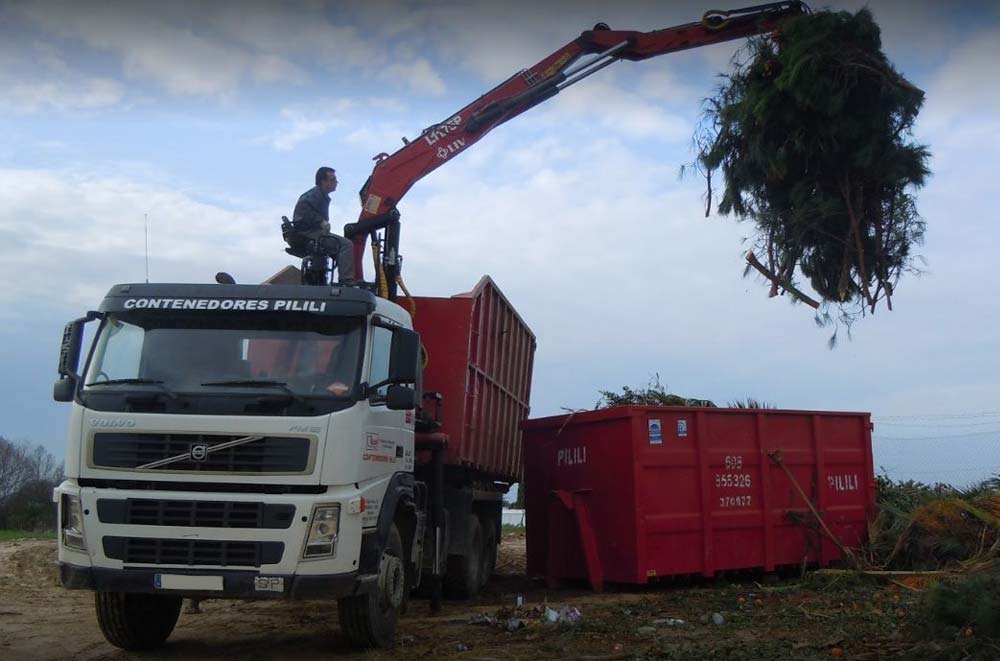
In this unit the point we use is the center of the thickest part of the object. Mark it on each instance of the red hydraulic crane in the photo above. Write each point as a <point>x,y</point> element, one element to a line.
<point>394,174</point>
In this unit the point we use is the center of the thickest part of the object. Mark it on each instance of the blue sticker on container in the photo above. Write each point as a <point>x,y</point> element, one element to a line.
<point>682,428</point>
<point>655,432</point>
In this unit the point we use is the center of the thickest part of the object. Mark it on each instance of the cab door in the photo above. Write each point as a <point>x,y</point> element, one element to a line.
<point>388,444</point>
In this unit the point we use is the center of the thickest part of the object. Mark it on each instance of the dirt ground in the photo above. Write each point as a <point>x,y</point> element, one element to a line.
<point>762,618</point>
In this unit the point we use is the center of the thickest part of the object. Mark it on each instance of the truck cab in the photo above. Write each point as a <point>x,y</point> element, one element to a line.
<point>242,441</point>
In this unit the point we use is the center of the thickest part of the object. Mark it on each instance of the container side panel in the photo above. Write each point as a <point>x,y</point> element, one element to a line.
<point>593,460</point>
<point>735,481</point>
<point>796,534</point>
<point>487,369</point>
<point>444,327</point>
<point>668,497</point>
<point>847,475</point>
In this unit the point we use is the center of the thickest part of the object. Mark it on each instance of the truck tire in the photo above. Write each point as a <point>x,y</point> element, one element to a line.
<point>462,581</point>
<point>369,620</point>
<point>134,621</point>
<point>489,550</point>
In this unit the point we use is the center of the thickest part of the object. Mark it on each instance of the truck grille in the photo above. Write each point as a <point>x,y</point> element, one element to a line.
<point>153,551</point>
<point>202,513</point>
<point>269,454</point>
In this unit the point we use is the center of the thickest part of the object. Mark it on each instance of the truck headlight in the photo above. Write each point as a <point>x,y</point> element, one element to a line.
<point>323,528</point>
<point>72,522</point>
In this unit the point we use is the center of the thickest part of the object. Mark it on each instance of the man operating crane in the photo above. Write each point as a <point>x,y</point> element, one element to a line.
<point>311,218</point>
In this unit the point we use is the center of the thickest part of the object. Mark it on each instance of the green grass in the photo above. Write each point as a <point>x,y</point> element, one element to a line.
<point>508,529</point>
<point>8,535</point>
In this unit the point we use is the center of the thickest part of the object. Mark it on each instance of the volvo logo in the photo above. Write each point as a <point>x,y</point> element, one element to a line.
<point>200,452</point>
<point>114,422</point>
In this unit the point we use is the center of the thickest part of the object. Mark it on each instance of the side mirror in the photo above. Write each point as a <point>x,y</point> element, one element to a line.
<point>69,357</point>
<point>65,389</point>
<point>404,357</point>
<point>69,348</point>
<point>400,398</point>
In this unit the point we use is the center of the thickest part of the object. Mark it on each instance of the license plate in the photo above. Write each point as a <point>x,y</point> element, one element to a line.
<point>184,582</point>
<point>269,584</point>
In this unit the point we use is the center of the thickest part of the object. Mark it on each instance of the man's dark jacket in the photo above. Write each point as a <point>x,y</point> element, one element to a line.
<point>311,211</point>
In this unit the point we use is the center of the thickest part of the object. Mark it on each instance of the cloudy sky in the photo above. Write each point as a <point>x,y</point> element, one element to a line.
<point>212,119</point>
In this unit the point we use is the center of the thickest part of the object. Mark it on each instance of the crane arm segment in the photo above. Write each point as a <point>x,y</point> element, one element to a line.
<point>393,175</point>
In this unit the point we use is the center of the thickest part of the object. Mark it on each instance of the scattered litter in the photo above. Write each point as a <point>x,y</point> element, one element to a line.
<point>519,601</point>
<point>513,624</point>
<point>646,631</point>
<point>668,621</point>
<point>461,647</point>
<point>569,615</point>
<point>512,619</point>
<point>718,619</point>
<point>483,618</point>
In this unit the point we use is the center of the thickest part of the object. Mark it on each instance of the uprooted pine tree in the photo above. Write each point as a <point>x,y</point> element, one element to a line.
<point>812,130</point>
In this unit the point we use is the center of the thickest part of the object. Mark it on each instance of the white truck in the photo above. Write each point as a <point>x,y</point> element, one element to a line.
<point>269,441</point>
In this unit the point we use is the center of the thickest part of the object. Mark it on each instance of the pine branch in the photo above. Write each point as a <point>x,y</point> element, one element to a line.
<point>784,284</point>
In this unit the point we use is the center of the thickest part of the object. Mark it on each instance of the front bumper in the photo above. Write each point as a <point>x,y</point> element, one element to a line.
<point>102,565</point>
<point>236,584</point>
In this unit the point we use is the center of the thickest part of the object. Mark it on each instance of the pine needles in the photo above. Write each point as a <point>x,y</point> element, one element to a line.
<point>654,394</point>
<point>812,134</point>
<point>921,527</point>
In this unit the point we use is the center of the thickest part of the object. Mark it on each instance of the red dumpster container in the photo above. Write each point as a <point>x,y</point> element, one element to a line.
<point>630,493</point>
<point>480,356</point>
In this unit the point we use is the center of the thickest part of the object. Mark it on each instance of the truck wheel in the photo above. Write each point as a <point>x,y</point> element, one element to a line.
<point>489,551</point>
<point>463,578</point>
<point>369,620</point>
<point>136,621</point>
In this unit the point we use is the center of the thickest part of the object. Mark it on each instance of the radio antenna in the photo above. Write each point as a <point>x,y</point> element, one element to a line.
<point>145,225</point>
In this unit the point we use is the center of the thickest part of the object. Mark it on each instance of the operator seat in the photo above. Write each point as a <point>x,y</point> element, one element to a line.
<point>299,245</point>
<point>316,264</point>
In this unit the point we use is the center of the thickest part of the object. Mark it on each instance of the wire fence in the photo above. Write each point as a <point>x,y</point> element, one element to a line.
<point>959,449</point>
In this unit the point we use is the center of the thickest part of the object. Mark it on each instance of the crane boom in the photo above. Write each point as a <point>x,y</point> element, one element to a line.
<point>394,175</point>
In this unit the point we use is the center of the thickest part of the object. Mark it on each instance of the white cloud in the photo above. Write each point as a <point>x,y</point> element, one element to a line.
<point>619,111</point>
<point>663,84</point>
<point>88,234</point>
<point>966,85</point>
<point>417,75</point>
<point>88,94</point>
<point>273,69</point>
<point>359,118</point>
<point>180,54</point>
<point>191,48</point>
<point>58,86</point>
<point>301,127</point>
<point>377,139</point>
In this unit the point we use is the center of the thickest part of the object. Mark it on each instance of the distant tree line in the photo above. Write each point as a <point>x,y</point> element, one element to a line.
<point>27,475</point>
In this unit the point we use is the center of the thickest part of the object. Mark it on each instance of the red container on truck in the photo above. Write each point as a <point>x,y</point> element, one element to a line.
<point>627,494</point>
<point>479,357</point>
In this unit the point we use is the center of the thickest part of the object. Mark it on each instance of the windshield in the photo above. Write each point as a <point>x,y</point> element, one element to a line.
<point>206,353</point>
